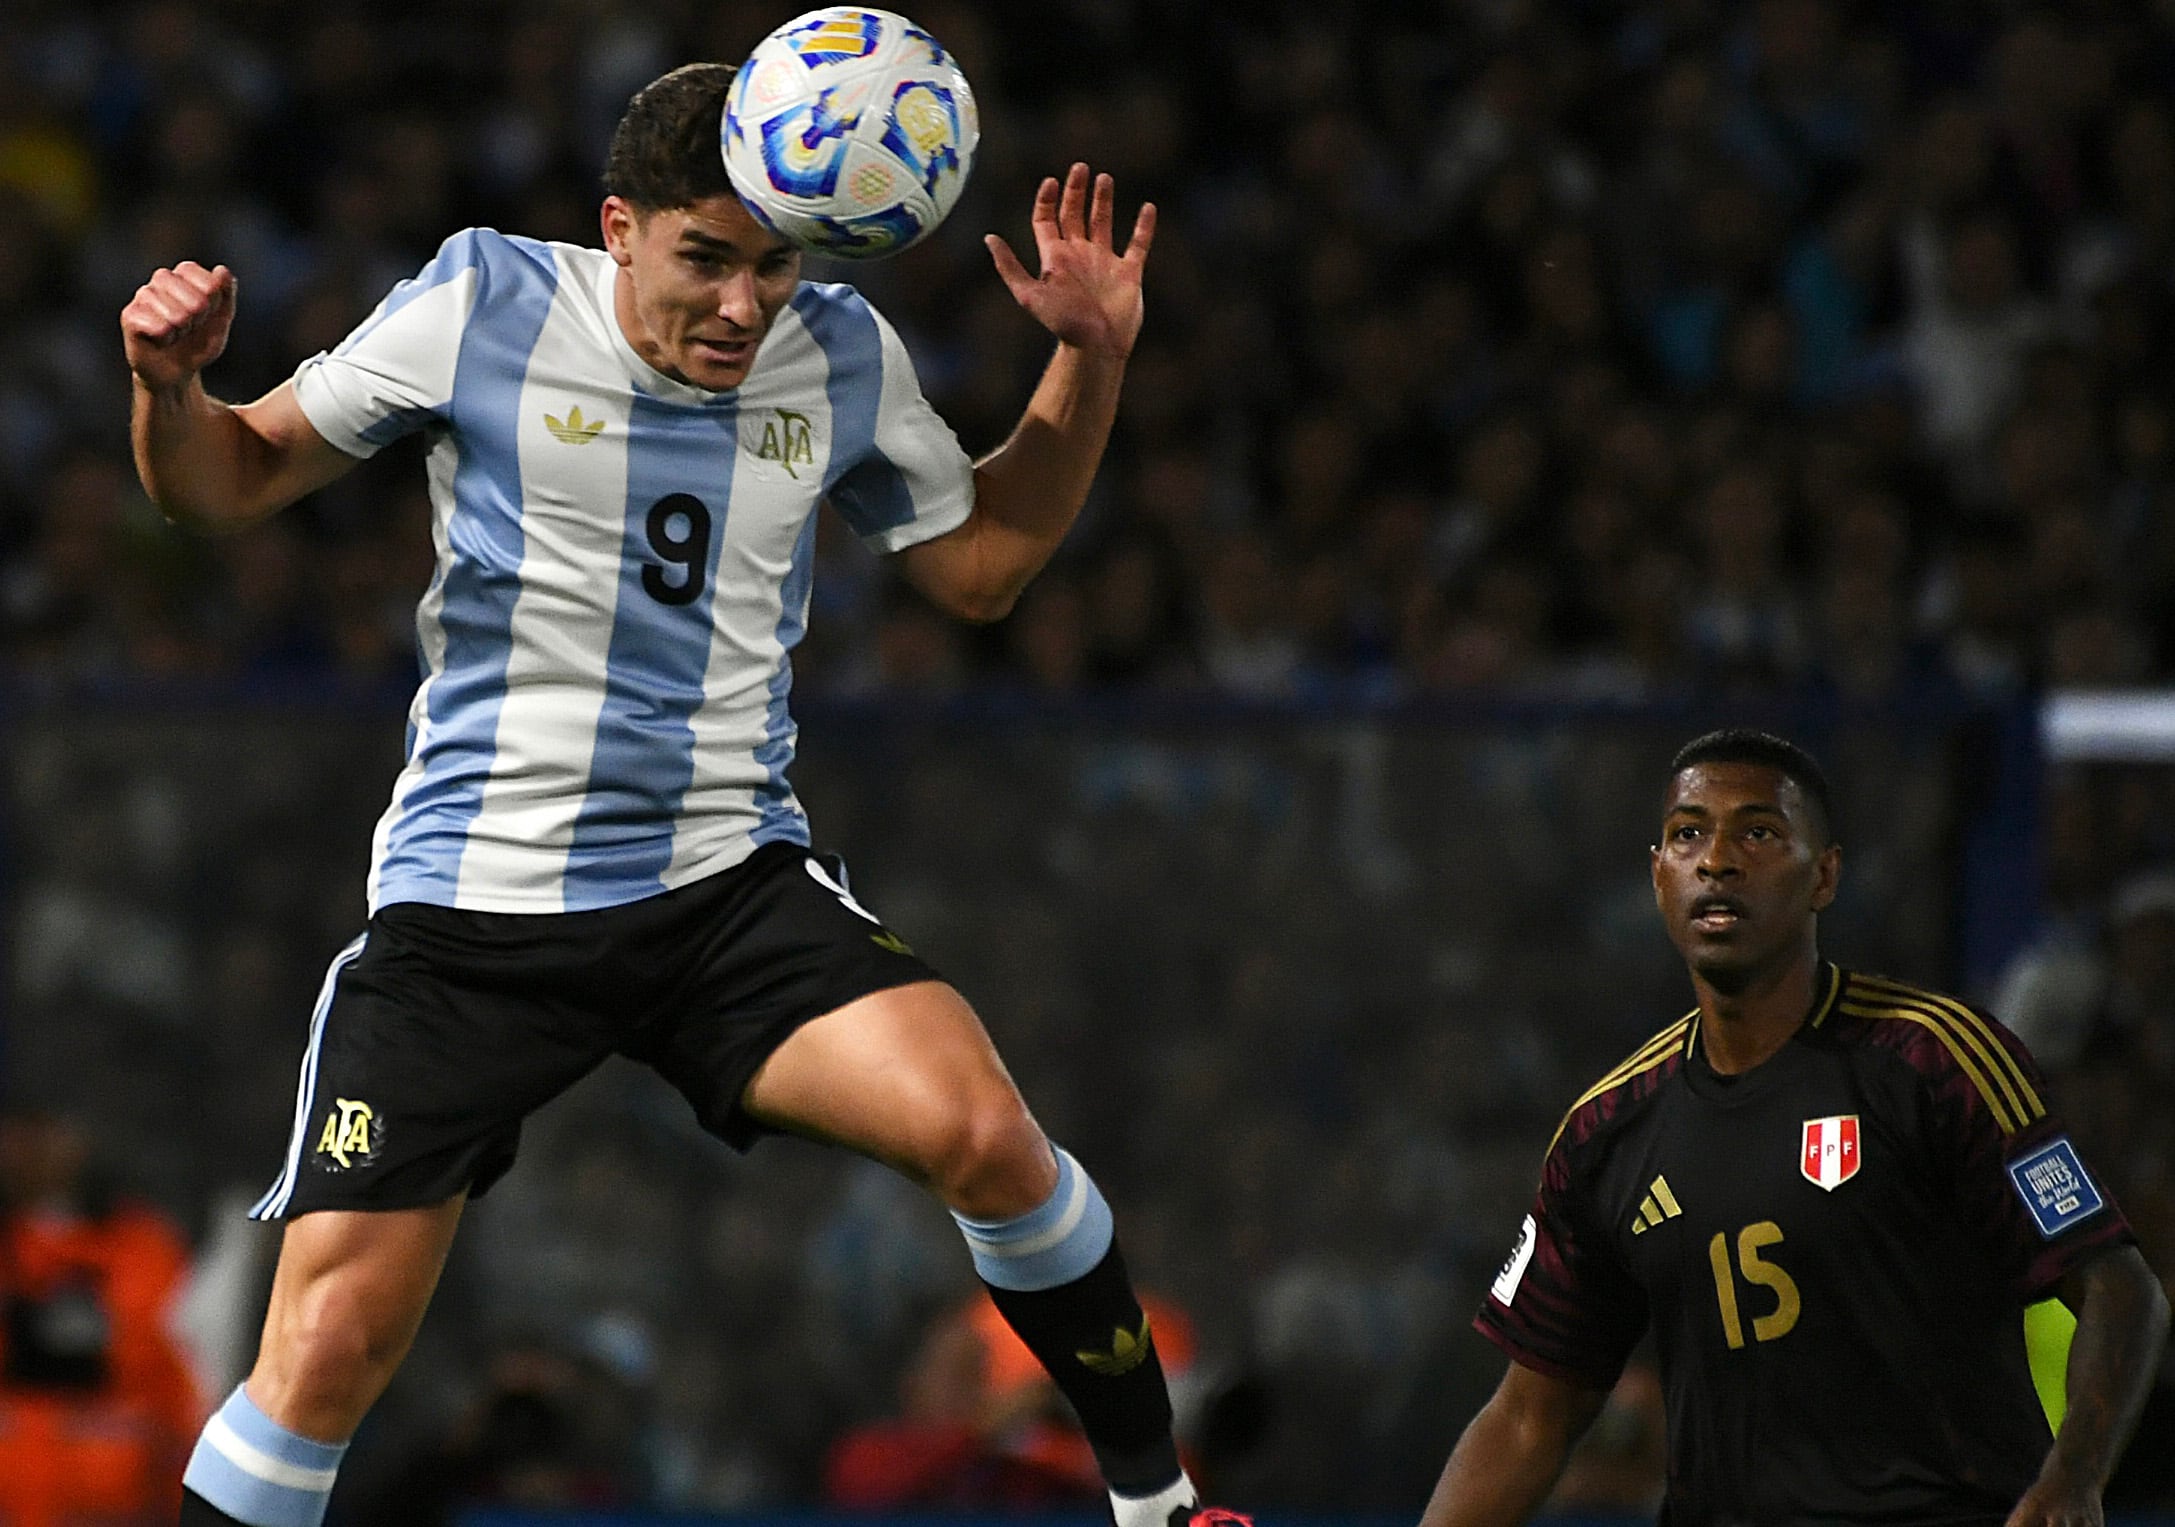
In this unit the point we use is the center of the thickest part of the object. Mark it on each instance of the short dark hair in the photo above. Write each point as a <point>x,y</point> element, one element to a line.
<point>666,151</point>
<point>1745,745</point>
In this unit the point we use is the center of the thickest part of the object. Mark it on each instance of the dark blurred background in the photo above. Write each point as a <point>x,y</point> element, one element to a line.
<point>1526,387</point>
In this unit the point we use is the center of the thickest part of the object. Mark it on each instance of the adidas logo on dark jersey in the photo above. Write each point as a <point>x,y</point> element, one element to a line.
<point>1658,1205</point>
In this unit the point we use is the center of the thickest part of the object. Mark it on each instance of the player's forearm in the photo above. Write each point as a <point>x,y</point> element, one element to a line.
<point>1030,489</point>
<point>201,464</point>
<point>1501,1470</point>
<point>2122,1325</point>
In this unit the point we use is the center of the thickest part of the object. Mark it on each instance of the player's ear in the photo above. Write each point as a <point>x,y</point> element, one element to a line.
<point>1828,870</point>
<point>620,221</point>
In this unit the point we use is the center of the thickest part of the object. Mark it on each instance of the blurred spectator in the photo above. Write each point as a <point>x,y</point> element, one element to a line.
<point>557,1426</point>
<point>980,1424</point>
<point>66,602</point>
<point>1247,644</point>
<point>1972,323</point>
<point>1981,602</point>
<point>98,1409</point>
<point>1746,628</point>
<point>1051,635</point>
<point>1134,616</point>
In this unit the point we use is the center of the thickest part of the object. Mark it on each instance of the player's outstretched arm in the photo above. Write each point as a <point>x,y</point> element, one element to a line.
<point>2122,1323</point>
<point>1028,491</point>
<point>1512,1451</point>
<point>208,464</point>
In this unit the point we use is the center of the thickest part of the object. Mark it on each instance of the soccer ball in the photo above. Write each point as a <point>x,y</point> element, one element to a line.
<point>850,132</point>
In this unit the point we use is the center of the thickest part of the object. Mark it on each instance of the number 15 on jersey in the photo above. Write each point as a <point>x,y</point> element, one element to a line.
<point>1755,1269</point>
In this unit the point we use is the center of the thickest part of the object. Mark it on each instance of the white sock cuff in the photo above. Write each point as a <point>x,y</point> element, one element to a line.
<point>1153,1510</point>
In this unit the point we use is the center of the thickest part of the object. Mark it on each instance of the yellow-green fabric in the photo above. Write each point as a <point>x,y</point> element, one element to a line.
<point>2048,1327</point>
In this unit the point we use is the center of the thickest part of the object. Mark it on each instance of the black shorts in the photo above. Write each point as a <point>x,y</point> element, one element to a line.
<point>438,1031</point>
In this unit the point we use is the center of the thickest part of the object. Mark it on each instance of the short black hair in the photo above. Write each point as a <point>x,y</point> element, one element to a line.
<point>1745,745</point>
<point>667,150</point>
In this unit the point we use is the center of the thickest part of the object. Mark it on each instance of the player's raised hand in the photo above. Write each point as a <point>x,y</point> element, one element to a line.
<point>1088,292</point>
<point>177,323</point>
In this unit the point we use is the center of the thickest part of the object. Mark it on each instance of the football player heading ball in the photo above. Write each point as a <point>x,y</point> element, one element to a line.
<point>593,847</point>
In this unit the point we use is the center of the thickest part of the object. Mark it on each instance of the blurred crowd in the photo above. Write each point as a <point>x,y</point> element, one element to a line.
<point>1799,351</point>
<point>1601,347</point>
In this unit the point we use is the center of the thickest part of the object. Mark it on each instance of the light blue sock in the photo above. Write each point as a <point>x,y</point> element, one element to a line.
<point>258,1472</point>
<point>1048,1246</point>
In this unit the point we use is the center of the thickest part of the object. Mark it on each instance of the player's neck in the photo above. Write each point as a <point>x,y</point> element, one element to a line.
<point>1741,1027</point>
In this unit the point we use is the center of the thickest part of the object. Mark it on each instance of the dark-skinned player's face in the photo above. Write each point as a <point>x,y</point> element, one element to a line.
<point>1741,871</point>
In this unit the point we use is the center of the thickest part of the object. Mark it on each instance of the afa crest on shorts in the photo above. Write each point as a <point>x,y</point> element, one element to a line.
<point>1828,1151</point>
<point>351,1136</point>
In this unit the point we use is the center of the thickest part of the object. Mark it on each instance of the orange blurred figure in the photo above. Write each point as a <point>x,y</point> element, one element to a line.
<point>98,1406</point>
<point>980,1422</point>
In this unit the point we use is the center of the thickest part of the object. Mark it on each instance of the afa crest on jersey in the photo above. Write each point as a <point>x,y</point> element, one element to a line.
<point>1828,1154</point>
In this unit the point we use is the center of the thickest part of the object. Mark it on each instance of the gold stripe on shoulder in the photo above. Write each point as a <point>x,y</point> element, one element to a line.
<point>1874,1007</point>
<point>2029,1105</point>
<point>1992,1053</point>
<point>1638,1060</point>
<point>1645,1058</point>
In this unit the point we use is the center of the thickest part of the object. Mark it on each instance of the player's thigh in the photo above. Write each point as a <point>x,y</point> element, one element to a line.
<point>910,1077</point>
<point>801,1013</point>
<point>760,949</point>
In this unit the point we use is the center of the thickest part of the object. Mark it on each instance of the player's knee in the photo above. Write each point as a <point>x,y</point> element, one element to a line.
<point>993,1161</point>
<point>333,1352</point>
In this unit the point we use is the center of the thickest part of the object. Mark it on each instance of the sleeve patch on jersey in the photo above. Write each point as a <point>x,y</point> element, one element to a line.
<point>1505,1287</point>
<point>2054,1185</point>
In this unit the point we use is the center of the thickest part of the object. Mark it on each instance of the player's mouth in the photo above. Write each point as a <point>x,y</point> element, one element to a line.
<point>725,352</point>
<point>1717,914</point>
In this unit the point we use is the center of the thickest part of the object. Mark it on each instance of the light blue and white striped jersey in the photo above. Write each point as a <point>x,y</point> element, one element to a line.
<point>623,567</point>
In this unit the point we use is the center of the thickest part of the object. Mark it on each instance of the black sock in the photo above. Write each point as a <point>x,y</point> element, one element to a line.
<point>199,1512</point>
<point>1093,1338</point>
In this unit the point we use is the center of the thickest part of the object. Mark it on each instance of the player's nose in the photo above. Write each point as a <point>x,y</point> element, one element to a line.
<point>737,303</point>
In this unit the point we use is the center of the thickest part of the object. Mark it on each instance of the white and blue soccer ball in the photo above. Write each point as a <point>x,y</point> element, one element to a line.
<point>850,131</point>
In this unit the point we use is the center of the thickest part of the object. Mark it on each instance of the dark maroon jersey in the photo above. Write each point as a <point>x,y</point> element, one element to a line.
<point>1833,1250</point>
